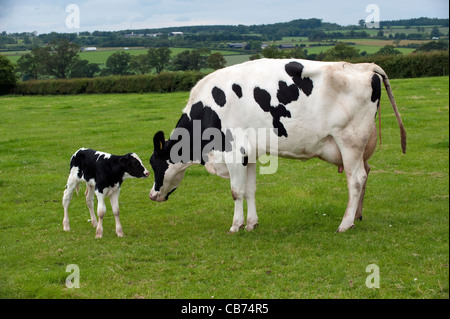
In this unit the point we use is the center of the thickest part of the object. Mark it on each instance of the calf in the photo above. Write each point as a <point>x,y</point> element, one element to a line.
<point>309,108</point>
<point>104,174</point>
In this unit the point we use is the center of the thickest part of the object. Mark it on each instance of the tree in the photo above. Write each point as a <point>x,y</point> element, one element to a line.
<point>341,51</point>
<point>83,69</point>
<point>387,50</point>
<point>435,33</point>
<point>32,65</point>
<point>189,60</point>
<point>159,58</point>
<point>7,76</point>
<point>62,57</point>
<point>118,64</point>
<point>216,61</point>
<point>272,52</point>
<point>299,53</point>
<point>140,64</point>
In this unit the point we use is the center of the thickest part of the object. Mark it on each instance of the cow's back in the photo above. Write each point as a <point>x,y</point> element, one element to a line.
<point>302,101</point>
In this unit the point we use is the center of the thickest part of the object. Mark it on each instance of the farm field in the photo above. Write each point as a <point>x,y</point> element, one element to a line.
<point>101,55</point>
<point>181,248</point>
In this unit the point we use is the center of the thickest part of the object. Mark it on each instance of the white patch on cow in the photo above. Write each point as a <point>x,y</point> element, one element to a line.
<point>108,191</point>
<point>172,179</point>
<point>146,172</point>
<point>105,155</point>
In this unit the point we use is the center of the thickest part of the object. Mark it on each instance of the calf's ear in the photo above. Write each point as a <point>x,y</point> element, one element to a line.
<point>123,160</point>
<point>159,141</point>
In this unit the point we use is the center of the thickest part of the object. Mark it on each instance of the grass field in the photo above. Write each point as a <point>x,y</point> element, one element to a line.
<point>181,248</point>
<point>102,54</point>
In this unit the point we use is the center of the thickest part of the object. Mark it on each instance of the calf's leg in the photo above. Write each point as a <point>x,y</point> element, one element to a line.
<point>101,211</point>
<point>90,203</point>
<point>72,184</point>
<point>115,208</point>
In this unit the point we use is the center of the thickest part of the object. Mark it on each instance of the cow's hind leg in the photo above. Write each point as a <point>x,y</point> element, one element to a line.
<point>90,203</point>
<point>358,214</point>
<point>356,179</point>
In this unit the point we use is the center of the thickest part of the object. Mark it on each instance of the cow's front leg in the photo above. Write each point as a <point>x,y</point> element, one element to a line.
<point>115,208</point>
<point>250,189</point>
<point>101,211</point>
<point>238,176</point>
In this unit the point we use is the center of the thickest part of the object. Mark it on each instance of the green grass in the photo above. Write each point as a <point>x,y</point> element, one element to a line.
<point>102,54</point>
<point>181,248</point>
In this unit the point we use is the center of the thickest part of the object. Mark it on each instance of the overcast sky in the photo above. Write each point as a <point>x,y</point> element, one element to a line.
<point>45,16</point>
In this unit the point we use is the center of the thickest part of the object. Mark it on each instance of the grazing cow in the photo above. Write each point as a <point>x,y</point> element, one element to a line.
<point>312,109</point>
<point>104,174</point>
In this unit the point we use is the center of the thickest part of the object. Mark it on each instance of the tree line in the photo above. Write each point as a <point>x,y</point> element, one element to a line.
<point>60,59</point>
<point>215,36</point>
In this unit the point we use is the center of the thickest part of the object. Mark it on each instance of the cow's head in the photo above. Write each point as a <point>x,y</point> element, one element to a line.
<point>168,175</point>
<point>133,166</point>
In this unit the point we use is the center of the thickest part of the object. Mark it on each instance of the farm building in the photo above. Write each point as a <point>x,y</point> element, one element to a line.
<point>89,49</point>
<point>235,45</point>
<point>286,46</point>
<point>175,34</point>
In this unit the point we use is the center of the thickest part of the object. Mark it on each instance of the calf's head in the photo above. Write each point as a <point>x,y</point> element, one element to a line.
<point>133,166</point>
<point>168,175</point>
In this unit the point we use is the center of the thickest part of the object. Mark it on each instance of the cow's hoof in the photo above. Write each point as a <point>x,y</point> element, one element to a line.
<point>99,234</point>
<point>250,227</point>
<point>66,228</point>
<point>119,234</point>
<point>235,229</point>
<point>342,229</point>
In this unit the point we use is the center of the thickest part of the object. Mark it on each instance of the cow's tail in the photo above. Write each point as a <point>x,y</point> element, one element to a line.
<point>387,85</point>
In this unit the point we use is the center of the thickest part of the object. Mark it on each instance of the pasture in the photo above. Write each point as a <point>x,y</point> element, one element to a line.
<point>181,248</point>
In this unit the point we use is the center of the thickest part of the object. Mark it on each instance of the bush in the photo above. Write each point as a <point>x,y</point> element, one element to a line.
<point>412,65</point>
<point>7,77</point>
<point>398,66</point>
<point>164,82</point>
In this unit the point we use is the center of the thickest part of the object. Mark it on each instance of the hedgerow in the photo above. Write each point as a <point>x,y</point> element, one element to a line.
<point>399,66</point>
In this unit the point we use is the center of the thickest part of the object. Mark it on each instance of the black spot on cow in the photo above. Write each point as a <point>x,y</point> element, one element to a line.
<point>376,88</point>
<point>219,96</point>
<point>263,98</point>
<point>295,70</point>
<point>159,159</point>
<point>237,89</point>
<point>207,118</point>
<point>244,157</point>
<point>287,94</point>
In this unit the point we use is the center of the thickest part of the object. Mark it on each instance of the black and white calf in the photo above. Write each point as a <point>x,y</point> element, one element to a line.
<point>310,108</point>
<point>104,174</point>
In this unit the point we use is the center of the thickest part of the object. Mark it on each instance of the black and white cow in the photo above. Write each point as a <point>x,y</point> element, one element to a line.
<point>104,174</point>
<point>311,109</point>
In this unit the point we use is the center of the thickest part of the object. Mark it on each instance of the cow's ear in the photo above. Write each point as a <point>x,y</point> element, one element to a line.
<point>124,159</point>
<point>159,141</point>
